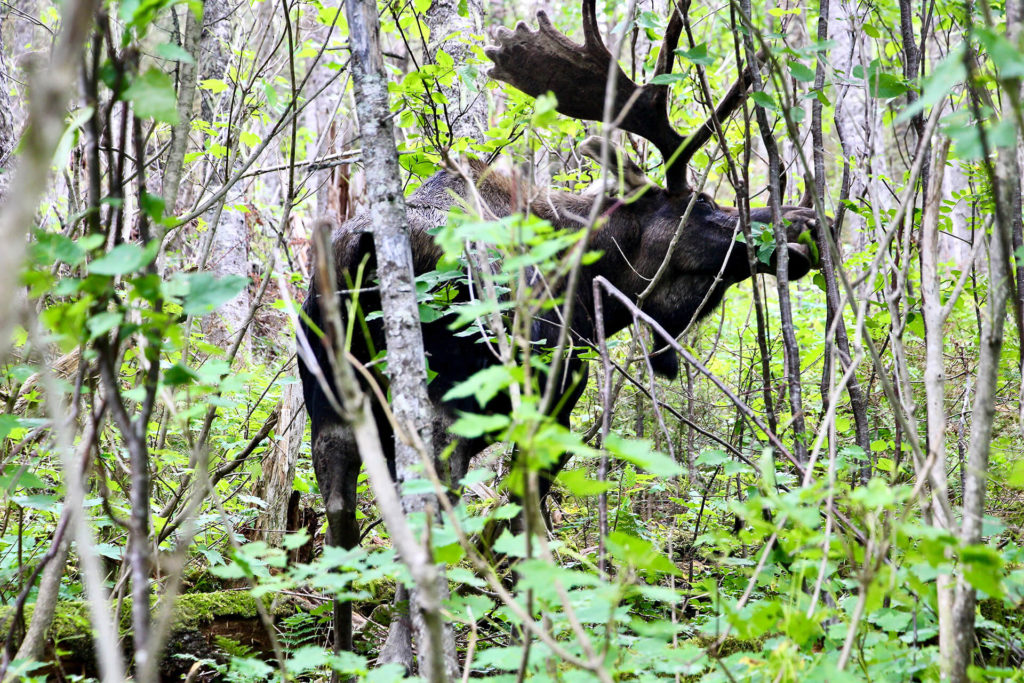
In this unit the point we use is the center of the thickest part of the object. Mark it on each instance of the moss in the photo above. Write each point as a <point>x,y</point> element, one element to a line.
<point>730,646</point>
<point>996,609</point>
<point>192,611</point>
<point>70,620</point>
<point>196,609</point>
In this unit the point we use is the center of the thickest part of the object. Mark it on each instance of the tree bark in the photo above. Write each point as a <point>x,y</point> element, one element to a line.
<point>226,249</point>
<point>34,643</point>
<point>792,352</point>
<point>454,33</point>
<point>279,464</point>
<point>403,337</point>
<point>47,103</point>
<point>186,98</point>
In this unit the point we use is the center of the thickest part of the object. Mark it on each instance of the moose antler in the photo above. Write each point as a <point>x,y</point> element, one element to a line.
<point>536,62</point>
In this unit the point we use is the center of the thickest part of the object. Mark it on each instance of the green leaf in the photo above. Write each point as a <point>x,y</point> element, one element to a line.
<point>152,95</point>
<point>207,293</point>
<point>122,259</point>
<point>639,553</point>
<point>1008,60</point>
<point>295,539</point>
<point>178,375</point>
<point>801,72</point>
<point>940,83</point>
<point>641,453</point>
<point>668,79</point>
<point>698,54</point>
<point>1016,479</point>
<point>249,139</point>
<point>983,567</point>
<point>763,99</point>
<point>38,501</point>
<point>581,483</point>
<point>68,139</point>
<point>544,111</point>
<point>471,425</point>
<point>103,322</point>
<point>713,457</point>
<point>214,85</point>
<point>483,385</point>
<point>153,205</point>
<point>18,476</point>
<point>174,52</point>
<point>887,86</point>
<point>891,620</point>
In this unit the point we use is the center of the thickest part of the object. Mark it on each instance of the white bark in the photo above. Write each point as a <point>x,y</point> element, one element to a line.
<point>858,118</point>
<point>467,103</point>
<point>403,337</point>
<point>48,100</point>
<point>279,463</point>
<point>227,245</point>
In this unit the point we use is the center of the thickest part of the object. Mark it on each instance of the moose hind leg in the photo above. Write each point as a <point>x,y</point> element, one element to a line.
<point>336,465</point>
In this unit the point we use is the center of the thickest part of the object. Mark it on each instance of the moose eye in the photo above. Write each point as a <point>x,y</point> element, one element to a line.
<point>704,199</point>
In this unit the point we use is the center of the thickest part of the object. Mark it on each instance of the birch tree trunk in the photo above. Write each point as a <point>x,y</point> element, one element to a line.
<point>191,32</point>
<point>226,249</point>
<point>275,487</point>
<point>406,362</point>
<point>48,100</point>
<point>857,117</point>
<point>456,34</point>
<point>8,109</point>
<point>955,654</point>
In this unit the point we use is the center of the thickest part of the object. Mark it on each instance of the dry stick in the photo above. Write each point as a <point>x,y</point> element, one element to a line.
<point>44,128</point>
<point>834,308</point>
<point>53,562</point>
<point>790,348</point>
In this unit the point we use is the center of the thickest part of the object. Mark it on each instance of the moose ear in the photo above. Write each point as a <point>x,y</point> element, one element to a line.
<point>624,171</point>
<point>665,364</point>
<point>352,249</point>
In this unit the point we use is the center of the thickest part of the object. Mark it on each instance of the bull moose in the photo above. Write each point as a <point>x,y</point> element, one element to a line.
<point>634,238</point>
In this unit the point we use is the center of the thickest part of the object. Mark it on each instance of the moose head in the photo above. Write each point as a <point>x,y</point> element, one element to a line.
<point>589,85</point>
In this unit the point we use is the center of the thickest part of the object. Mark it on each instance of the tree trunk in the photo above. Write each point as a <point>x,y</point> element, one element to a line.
<point>403,337</point>
<point>226,249</point>
<point>449,31</point>
<point>279,464</point>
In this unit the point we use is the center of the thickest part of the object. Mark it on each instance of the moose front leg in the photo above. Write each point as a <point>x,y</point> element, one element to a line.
<point>336,465</point>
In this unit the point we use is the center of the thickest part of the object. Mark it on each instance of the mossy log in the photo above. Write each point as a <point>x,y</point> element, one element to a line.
<point>199,621</point>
